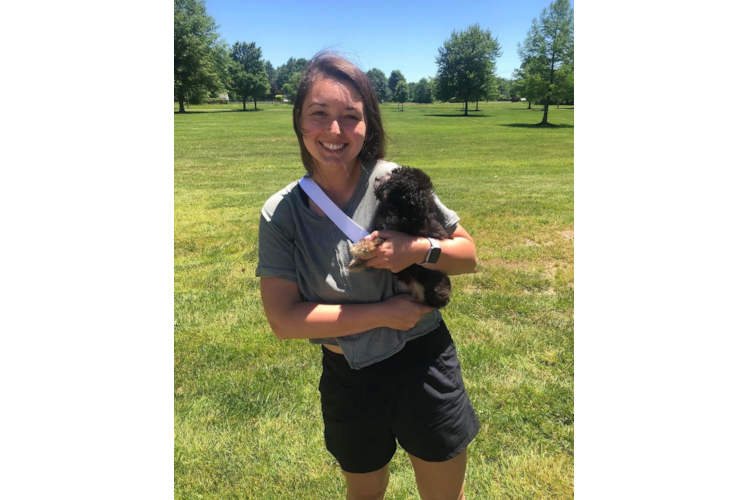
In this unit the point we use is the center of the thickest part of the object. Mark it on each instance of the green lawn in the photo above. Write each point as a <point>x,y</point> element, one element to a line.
<point>247,420</point>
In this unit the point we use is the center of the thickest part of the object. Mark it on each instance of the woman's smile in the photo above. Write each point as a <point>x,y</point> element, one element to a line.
<point>332,146</point>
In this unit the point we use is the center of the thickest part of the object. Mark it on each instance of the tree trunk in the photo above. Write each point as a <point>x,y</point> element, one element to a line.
<point>547,99</point>
<point>181,102</point>
<point>529,104</point>
<point>244,103</point>
<point>476,105</point>
<point>255,104</point>
<point>545,113</point>
<point>466,107</point>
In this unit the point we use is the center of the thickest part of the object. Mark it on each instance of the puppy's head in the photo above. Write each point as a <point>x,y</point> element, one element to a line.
<point>407,195</point>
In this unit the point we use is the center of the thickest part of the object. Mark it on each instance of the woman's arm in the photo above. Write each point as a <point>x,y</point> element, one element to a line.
<point>290,317</point>
<point>401,250</point>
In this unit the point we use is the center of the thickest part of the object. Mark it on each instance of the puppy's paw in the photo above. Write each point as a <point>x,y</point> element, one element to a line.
<point>363,248</point>
<point>356,265</point>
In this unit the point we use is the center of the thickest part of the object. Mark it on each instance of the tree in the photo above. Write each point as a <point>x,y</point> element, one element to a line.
<point>503,88</point>
<point>401,93</point>
<point>489,90</point>
<point>563,89</point>
<point>548,47</point>
<point>286,70</point>
<point>395,76</point>
<point>270,70</point>
<point>466,65</point>
<point>528,85</point>
<point>197,64</point>
<point>379,82</point>
<point>289,88</point>
<point>421,91</point>
<point>248,75</point>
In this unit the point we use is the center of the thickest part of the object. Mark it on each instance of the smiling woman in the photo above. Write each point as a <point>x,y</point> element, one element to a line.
<point>341,84</point>
<point>389,368</point>
<point>333,125</point>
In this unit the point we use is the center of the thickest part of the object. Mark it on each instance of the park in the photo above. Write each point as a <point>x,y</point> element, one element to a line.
<point>247,418</point>
<point>247,421</point>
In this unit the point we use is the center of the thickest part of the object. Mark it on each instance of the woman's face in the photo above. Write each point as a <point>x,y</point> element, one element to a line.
<point>332,124</point>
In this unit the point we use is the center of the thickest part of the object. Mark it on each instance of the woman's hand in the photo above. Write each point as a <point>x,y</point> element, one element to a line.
<point>398,251</point>
<point>402,312</point>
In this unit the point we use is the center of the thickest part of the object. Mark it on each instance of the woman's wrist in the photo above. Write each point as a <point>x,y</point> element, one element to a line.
<point>421,247</point>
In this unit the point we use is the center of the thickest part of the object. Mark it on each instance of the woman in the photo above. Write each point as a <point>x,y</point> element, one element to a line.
<point>390,371</point>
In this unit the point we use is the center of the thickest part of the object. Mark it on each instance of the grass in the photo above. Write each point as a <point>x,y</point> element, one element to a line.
<point>246,411</point>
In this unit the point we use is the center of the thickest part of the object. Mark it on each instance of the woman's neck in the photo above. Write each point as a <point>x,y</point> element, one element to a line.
<point>338,184</point>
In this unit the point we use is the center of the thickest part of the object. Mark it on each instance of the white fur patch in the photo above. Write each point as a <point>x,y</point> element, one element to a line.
<point>417,292</point>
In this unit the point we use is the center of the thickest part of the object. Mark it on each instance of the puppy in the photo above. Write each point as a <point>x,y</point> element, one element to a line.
<point>407,204</point>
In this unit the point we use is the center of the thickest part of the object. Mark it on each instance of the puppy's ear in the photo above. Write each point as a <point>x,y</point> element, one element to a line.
<point>424,181</point>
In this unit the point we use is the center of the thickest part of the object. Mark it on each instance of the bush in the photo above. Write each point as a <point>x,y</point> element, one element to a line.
<point>214,100</point>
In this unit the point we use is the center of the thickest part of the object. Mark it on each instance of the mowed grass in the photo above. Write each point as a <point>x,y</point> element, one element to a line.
<point>247,415</point>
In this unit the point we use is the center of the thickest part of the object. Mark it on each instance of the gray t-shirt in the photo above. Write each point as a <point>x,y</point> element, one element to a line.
<point>297,245</point>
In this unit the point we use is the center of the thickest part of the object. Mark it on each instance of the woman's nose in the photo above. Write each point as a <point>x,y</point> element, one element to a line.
<point>334,127</point>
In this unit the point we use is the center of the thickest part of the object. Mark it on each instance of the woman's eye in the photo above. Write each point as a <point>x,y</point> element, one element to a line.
<point>353,117</point>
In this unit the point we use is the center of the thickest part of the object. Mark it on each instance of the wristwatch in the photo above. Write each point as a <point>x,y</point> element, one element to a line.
<point>434,252</point>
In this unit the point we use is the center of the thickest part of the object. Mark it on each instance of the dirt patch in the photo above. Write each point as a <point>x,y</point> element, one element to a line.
<point>552,270</point>
<point>567,234</point>
<point>532,243</point>
<point>504,263</point>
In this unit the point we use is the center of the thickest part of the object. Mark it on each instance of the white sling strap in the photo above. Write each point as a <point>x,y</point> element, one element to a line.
<point>353,231</point>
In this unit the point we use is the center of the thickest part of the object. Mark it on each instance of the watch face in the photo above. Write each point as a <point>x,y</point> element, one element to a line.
<point>434,255</point>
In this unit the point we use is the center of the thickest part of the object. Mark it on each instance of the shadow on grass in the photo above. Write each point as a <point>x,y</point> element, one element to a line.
<point>203,111</point>
<point>460,116</point>
<point>536,125</point>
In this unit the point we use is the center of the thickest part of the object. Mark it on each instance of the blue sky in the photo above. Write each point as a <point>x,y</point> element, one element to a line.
<point>385,34</point>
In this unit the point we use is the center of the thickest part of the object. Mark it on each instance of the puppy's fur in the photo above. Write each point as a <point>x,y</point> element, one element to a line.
<point>407,204</point>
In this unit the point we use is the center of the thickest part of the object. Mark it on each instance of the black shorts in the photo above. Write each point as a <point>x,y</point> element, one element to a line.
<point>416,397</point>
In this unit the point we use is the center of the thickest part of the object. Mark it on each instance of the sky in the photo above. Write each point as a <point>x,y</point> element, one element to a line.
<point>388,35</point>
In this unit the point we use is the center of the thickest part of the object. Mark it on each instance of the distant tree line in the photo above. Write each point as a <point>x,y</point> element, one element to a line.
<point>205,67</point>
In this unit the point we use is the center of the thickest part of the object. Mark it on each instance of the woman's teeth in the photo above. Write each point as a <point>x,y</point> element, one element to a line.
<point>334,147</point>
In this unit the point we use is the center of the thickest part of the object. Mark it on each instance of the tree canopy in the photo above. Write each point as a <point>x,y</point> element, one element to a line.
<point>286,70</point>
<point>528,84</point>
<point>503,88</point>
<point>197,51</point>
<point>290,87</point>
<point>379,82</point>
<point>466,65</point>
<point>564,91</point>
<point>249,78</point>
<point>270,70</point>
<point>421,91</point>
<point>547,54</point>
<point>395,77</point>
<point>401,92</point>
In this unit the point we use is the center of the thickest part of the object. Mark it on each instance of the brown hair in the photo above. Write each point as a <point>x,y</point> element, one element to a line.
<point>331,65</point>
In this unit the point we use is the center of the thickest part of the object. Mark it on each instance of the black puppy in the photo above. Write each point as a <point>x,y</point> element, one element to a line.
<point>407,204</point>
